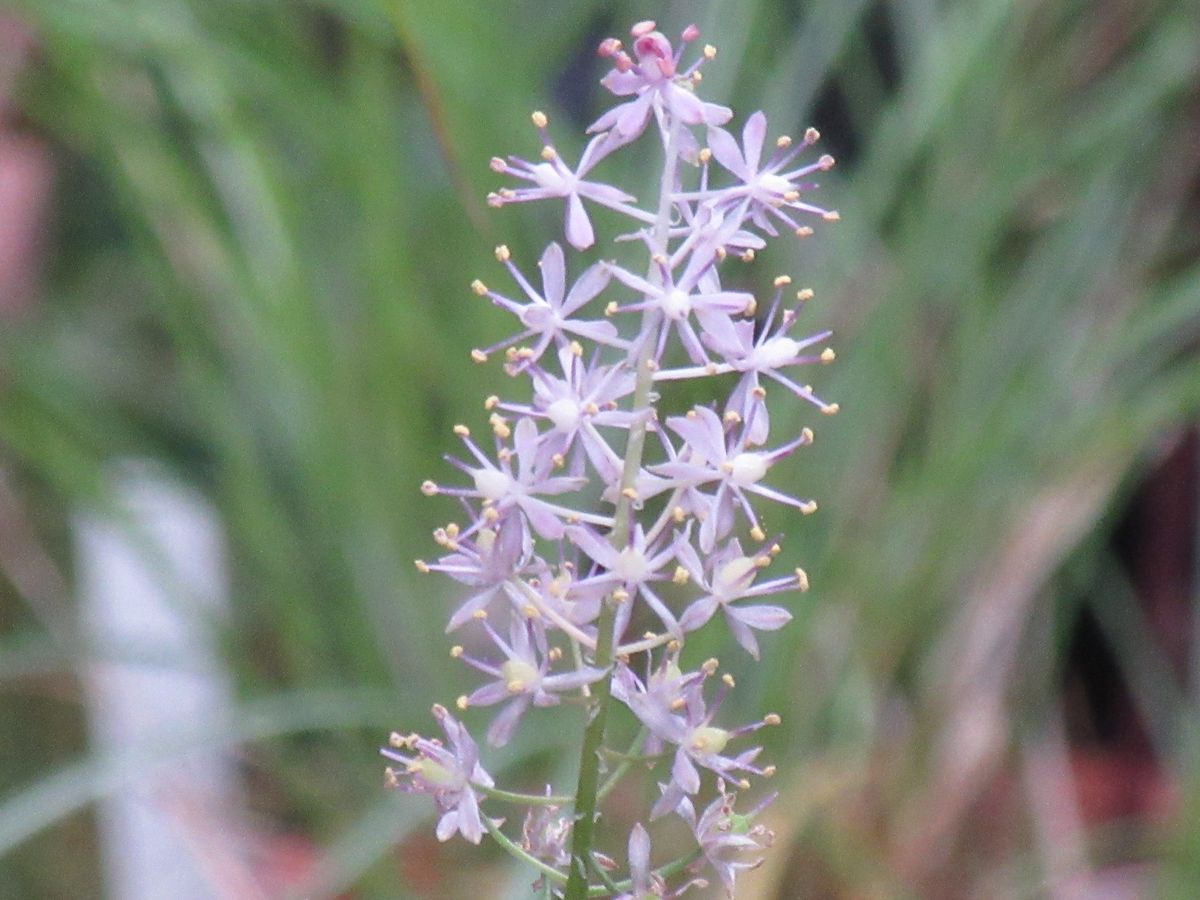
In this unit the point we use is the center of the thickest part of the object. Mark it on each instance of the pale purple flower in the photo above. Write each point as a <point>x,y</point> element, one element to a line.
<point>766,191</point>
<point>488,560</point>
<point>630,570</point>
<point>501,490</point>
<point>711,456</point>
<point>727,577</point>
<point>446,772</point>
<point>678,301</point>
<point>575,406</point>
<point>756,351</point>
<point>553,179</point>
<point>725,837</point>
<point>687,726</point>
<point>545,833</point>
<point>549,314</point>
<point>523,678</point>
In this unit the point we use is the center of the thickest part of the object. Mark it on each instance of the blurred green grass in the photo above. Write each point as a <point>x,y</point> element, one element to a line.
<point>267,217</point>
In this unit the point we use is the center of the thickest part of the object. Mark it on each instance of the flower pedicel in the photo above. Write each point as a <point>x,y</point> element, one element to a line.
<point>588,512</point>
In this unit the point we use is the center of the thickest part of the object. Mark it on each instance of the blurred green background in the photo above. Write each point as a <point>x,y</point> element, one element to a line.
<point>251,265</point>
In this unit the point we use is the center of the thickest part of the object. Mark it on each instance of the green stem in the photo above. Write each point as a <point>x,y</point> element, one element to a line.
<point>628,758</point>
<point>523,799</point>
<point>586,799</point>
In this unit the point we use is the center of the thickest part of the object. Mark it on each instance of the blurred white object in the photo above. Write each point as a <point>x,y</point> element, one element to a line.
<point>153,591</point>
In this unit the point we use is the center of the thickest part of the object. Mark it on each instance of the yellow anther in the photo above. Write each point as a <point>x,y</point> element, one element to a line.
<point>491,402</point>
<point>525,353</point>
<point>782,280</point>
<point>761,562</point>
<point>396,739</point>
<point>629,493</point>
<point>558,460</point>
<point>811,135</point>
<point>422,566</point>
<point>791,196</point>
<point>830,409</point>
<point>759,392</point>
<point>711,665</point>
<point>673,646</point>
<point>502,253</point>
<point>692,414</point>
<point>479,614</point>
<point>710,52</point>
<point>771,719</point>
<point>494,200</point>
<point>516,686</point>
<point>748,255</point>
<point>804,295</point>
<point>750,308</point>
<point>429,488</point>
<point>555,654</point>
<point>827,355</point>
<point>496,164</point>
<point>806,435</point>
<point>479,287</point>
<point>575,347</point>
<point>611,309</point>
<point>721,253</point>
<point>758,534</point>
<point>678,703</point>
<point>783,141</point>
<point>681,575</point>
<point>549,154</point>
<point>462,431</point>
<point>697,77</point>
<point>651,365</point>
<point>728,680</point>
<point>802,580</point>
<point>732,417</point>
<point>804,231</point>
<point>678,514</point>
<point>478,356</point>
<point>490,515</point>
<point>832,216</point>
<point>539,118</point>
<point>620,595</point>
<point>456,651</point>
<point>808,507</point>
<point>530,611</point>
<point>826,162</point>
<point>704,156</point>
<point>775,550</point>
<point>590,408</point>
<point>711,368</point>
<point>462,702</point>
<point>769,771</point>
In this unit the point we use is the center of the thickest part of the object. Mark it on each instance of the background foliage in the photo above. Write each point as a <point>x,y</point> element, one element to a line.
<point>266,217</point>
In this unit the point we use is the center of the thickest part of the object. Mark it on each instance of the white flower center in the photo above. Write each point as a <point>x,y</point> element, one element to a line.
<point>676,304</point>
<point>438,775</point>
<point>774,184</point>
<point>519,676</point>
<point>747,468</point>
<point>564,414</point>
<point>776,352</point>
<point>709,739</point>
<point>552,180</point>
<point>730,577</point>
<point>485,540</point>
<point>493,484</point>
<point>631,565</point>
